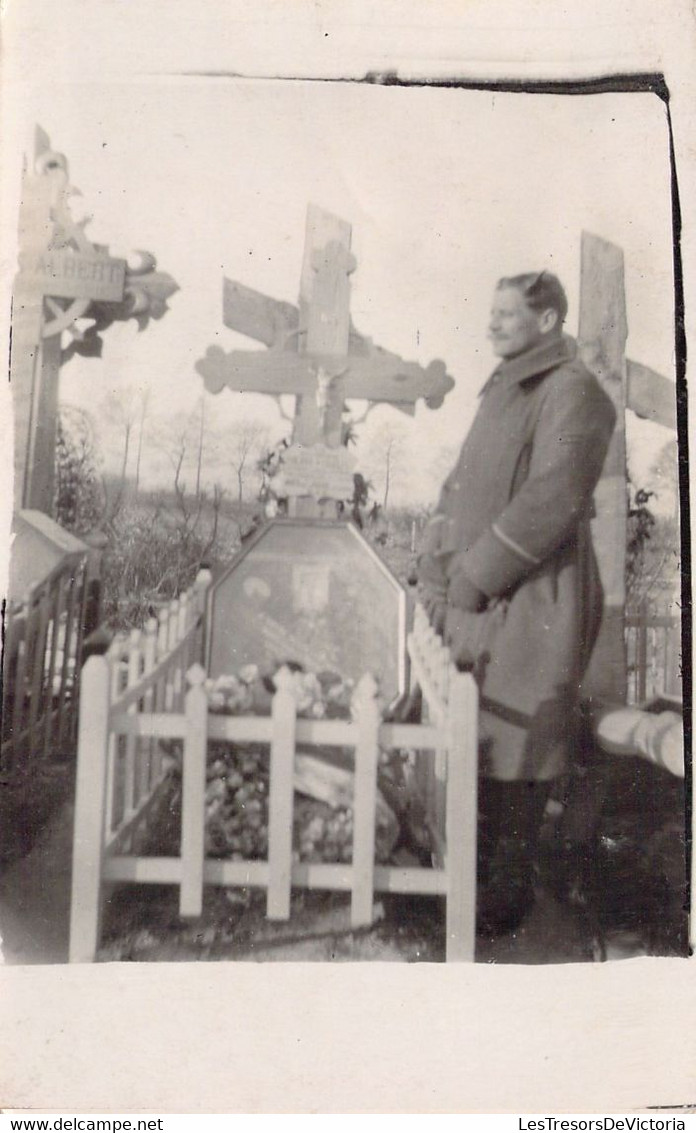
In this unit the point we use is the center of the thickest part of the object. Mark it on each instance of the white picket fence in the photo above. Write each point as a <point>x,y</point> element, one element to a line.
<point>138,716</point>
<point>120,769</point>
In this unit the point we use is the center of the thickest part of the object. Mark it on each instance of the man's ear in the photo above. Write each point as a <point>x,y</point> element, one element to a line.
<point>548,320</point>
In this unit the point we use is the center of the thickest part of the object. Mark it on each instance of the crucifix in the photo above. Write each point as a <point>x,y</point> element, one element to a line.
<point>316,354</point>
<point>64,284</point>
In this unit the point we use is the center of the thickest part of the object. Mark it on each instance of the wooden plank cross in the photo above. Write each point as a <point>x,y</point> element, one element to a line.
<point>314,353</point>
<point>602,337</point>
<point>62,277</point>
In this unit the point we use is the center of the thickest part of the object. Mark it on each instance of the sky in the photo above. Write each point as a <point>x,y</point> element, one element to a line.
<point>446,190</point>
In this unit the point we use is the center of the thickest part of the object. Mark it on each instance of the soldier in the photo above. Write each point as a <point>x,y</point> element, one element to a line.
<point>508,574</point>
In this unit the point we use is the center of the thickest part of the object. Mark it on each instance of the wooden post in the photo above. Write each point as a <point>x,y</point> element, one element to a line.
<point>673,683</point>
<point>367,717</point>
<point>19,646</point>
<point>57,590</point>
<point>97,542</point>
<point>642,654</point>
<point>280,802</point>
<point>193,795</point>
<point>602,336</point>
<point>462,789</point>
<point>325,316</point>
<point>201,587</point>
<point>32,358</point>
<point>439,790</point>
<point>113,660</point>
<point>149,704</point>
<point>176,676</point>
<point>40,696</point>
<point>163,701</point>
<point>134,658</point>
<point>90,811</point>
<point>64,731</point>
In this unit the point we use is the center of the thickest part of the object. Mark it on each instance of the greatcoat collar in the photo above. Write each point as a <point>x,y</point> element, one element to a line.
<point>533,362</point>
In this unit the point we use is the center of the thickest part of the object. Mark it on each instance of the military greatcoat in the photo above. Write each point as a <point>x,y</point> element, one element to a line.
<point>514,518</point>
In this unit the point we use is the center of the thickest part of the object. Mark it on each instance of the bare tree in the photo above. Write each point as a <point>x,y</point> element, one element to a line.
<point>199,460</point>
<point>182,441</point>
<point>243,444</point>
<point>120,409</point>
<point>144,402</point>
<point>176,439</point>
<point>384,451</point>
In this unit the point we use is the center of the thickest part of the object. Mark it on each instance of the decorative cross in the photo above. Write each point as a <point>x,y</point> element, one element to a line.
<point>62,277</point>
<point>314,352</point>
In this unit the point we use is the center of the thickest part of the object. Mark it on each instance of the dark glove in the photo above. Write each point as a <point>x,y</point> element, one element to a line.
<point>465,595</point>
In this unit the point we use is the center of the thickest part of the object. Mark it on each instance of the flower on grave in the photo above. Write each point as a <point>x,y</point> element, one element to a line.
<point>229,694</point>
<point>317,695</point>
<point>307,691</point>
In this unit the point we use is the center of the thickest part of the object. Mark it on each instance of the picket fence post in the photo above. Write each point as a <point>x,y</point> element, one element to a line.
<point>280,801</point>
<point>90,810</point>
<point>134,658</point>
<point>366,712</point>
<point>461,825</point>
<point>149,704</point>
<point>113,660</point>
<point>200,589</point>
<point>193,795</point>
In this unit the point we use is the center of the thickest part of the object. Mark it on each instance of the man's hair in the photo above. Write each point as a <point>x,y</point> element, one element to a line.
<point>541,290</point>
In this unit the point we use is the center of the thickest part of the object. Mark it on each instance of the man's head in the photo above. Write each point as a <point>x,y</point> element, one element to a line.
<point>527,310</point>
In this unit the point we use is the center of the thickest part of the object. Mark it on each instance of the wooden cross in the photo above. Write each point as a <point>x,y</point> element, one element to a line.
<point>62,277</point>
<point>46,275</point>
<point>602,337</point>
<point>314,353</point>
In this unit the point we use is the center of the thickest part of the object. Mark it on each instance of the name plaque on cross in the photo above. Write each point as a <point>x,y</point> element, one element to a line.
<point>318,471</point>
<point>68,274</point>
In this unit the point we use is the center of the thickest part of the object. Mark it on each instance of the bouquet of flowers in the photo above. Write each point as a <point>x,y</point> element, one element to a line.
<point>238,776</point>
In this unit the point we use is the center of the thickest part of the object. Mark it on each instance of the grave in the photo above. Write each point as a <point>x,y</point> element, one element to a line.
<point>313,593</point>
<point>310,589</point>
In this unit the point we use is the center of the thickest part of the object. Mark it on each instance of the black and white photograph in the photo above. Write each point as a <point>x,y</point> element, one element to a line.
<point>347,520</point>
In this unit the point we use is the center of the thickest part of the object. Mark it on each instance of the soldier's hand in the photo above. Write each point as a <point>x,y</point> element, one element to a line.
<point>463,594</point>
<point>435,606</point>
<point>437,615</point>
<point>458,636</point>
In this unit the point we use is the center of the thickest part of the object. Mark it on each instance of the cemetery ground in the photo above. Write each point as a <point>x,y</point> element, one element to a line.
<point>635,910</point>
<point>627,902</point>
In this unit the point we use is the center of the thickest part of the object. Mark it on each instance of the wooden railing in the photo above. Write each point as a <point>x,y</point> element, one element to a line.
<point>110,718</point>
<point>42,651</point>
<point>653,645</point>
<point>120,767</point>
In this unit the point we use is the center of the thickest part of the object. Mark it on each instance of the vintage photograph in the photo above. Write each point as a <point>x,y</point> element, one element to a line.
<point>343,618</point>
